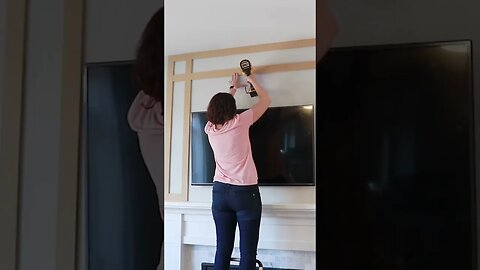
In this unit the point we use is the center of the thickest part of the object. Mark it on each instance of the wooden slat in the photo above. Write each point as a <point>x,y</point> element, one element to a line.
<point>178,197</point>
<point>168,110</point>
<point>186,130</point>
<point>246,49</point>
<point>256,70</point>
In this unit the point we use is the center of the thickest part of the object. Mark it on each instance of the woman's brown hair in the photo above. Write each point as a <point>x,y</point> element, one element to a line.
<point>221,108</point>
<point>149,64</point>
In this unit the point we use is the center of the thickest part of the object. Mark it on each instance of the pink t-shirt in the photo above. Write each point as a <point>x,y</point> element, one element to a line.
<point>232,151</point>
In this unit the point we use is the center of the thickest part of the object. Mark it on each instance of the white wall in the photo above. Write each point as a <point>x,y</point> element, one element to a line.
<point>192,26</point>
<point>214,24</point>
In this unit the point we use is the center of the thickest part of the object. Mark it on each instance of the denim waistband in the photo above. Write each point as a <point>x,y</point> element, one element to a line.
<point>224,186</point>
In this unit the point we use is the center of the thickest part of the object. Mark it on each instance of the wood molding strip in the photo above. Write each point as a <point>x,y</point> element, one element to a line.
<point>186,129</point>
<point>176,197</point>
<point>257,70</point>
<point>246,49</point>
<point>168,128</point>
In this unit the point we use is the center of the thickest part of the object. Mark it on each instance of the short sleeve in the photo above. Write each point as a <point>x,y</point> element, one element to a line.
<point>246,118</point>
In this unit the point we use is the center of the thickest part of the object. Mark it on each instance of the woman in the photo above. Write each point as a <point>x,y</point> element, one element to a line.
<point>146,112</point>
<point>236,197</point>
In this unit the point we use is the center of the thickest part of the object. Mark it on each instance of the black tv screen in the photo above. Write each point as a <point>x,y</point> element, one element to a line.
<point>282,142</point>
<point>395,155</point>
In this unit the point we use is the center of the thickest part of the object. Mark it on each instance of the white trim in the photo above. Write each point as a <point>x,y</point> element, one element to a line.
<point>278,210</point>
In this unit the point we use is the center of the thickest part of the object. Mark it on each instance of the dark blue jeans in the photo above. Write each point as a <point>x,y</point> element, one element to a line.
<point>231,205</point>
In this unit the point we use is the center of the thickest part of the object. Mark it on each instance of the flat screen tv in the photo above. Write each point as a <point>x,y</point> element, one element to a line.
<point>282,142</point>
<point>395,158</point>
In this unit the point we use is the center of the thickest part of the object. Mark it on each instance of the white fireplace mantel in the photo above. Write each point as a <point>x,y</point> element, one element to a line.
<point>283,227</point>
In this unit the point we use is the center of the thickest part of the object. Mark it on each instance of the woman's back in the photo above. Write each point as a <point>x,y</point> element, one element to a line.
<point>232,151</point>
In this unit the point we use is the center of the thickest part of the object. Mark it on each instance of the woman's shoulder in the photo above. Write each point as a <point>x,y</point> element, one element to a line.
<point>146,114</point>
<point>246,117</point>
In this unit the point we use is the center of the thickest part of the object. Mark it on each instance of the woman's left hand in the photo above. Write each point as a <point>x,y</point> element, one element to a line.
<point>235,82</point>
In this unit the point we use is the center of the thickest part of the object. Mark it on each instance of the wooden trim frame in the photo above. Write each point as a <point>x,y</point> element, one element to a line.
<point>189,76</point>
<point>10,144</point>
<point>71,101</point>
